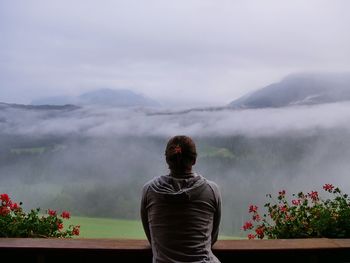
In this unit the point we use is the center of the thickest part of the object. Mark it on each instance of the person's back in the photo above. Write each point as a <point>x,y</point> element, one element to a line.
<point>181,212</point>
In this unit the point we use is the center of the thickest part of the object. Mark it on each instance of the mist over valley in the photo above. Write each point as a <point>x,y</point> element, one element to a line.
<point>93,159</point>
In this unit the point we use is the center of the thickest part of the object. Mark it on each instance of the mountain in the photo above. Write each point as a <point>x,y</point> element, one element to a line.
<point>66,107</point>
<point>299,89</point>
<point>103,97</point>
<point>57,100</point>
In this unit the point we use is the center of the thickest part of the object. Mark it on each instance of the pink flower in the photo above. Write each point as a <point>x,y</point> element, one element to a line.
<point>284,208</point>
<point>328,187</point>
<point>65,214</point>
<point>253,209</point>
<point>296,202</point>
<point>256,217</point>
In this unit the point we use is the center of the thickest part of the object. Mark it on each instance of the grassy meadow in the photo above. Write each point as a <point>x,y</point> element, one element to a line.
<point>111,228</point>
<point>107,228</point>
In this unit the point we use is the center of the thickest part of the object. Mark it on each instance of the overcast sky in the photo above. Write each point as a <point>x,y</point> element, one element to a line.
<point>204,52</point>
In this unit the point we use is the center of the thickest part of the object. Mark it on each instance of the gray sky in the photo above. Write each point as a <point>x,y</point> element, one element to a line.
<point>204,52</point>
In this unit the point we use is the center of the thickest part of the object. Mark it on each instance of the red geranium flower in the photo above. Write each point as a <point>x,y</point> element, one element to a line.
<point>256,217</point>
<point>253,209</point>
<point>52,212</point>
<point>328,187</point>
<point>5,198</point>
<point>251,236</point>
<point>260,232</point>
<point>4,211</point>
<point>247,225</point>
<point>59,226</point>
<point>76,230</point>
<point>14,206</point>
<point>313,195</point>
<point>284,208</point>
<point>65,214</point>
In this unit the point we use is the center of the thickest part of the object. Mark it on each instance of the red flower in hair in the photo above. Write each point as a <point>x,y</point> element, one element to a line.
<point>177,149</point>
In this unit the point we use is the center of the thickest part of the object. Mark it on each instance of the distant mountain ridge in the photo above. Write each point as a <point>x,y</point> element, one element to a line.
<point>66,107</point>
<point>102,97</point>
<point>298,89</point>
<point>293,90</point>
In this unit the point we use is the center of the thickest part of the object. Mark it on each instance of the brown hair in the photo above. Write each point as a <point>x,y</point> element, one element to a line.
<point>180,153</point>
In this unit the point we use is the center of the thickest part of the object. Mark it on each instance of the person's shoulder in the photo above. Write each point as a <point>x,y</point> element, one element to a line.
<point>146,187</point>
<point>215,190</point>
<point>154,180</point>
<point>212,185</point>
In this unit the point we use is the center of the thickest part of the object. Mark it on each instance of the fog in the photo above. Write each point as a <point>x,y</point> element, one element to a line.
<point>101,122</point>
<point>94,161</point>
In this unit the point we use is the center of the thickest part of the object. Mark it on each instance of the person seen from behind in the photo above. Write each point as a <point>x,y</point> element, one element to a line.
<point>181,211</point>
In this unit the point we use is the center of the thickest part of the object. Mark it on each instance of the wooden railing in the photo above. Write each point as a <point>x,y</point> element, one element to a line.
<point>116,250</point>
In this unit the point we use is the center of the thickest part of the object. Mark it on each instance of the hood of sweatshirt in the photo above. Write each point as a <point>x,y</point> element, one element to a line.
<point>178,188</point>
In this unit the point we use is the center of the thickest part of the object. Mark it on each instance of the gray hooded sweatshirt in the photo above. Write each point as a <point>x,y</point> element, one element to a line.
<point>181,217</point>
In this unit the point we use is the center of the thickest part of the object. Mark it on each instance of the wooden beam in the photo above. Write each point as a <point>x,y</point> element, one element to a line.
<point>54,250</point>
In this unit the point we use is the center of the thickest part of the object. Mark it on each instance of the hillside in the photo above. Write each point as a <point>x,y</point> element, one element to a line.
<point>102,97</point>
<point>299,89</point>
<point>44,107</point>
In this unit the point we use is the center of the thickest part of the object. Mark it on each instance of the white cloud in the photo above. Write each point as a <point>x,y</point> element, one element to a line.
<point>182,52</point>
<point>101,122</point>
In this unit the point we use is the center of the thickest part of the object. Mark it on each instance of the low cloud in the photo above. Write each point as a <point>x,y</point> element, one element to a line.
<point>100,122</point>
<point>60,159</point>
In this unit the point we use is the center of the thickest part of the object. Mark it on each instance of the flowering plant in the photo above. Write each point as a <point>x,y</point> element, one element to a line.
<point>305,216</point>
<point>14,222</point>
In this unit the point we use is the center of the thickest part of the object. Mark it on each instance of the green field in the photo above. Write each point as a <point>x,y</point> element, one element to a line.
<point>108,228</point>
<point>111,228</point>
